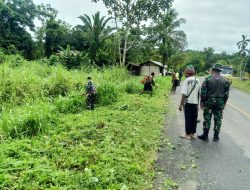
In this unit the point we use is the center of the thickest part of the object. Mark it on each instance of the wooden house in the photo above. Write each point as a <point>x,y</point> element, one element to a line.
<point>150,66</point>
<point>146,68</point>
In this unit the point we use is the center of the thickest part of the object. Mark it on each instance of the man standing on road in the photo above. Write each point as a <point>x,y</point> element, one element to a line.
<point>175,81</point>
<point>214,96</point>
<point>190,101</point>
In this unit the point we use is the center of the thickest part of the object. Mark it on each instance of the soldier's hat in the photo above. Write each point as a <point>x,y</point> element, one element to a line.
<point>218,67</point>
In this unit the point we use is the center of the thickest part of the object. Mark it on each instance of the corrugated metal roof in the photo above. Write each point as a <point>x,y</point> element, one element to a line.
<point>134,64</point>
<point>156,63</point>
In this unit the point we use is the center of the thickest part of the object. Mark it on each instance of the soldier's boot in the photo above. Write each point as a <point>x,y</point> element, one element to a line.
<point>204,136</point>
<point>216,136</point>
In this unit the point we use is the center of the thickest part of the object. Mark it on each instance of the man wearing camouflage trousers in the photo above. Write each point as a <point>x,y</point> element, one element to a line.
<point>91,94</point>
<point>214,96</point>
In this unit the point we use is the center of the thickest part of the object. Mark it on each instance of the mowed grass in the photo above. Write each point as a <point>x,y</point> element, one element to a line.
<point>49,140</point>
<point>243,85</point>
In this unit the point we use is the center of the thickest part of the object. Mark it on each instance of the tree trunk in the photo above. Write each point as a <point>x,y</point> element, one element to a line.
<point>125,49</point>
<point>119,42</point>
<point>243,71</point>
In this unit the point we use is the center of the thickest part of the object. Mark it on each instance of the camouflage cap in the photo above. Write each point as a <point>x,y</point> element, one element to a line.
<point>217,66</point>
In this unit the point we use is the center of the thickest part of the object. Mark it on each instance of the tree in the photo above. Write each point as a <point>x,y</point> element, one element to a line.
<point>243,51</point>
<point>167,35</point>
<point>39,44</point>
<point>97,32</point>
<point>56,35</point>
<point>70,58</point>
<point>45,13</point>
<point>196,59</point>
<point>79,38</point>
<point>131,13</point>
<point>15,17</point>
<point>209,57</point>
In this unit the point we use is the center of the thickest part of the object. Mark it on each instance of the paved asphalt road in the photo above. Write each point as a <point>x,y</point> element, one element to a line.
<point>224,165</point>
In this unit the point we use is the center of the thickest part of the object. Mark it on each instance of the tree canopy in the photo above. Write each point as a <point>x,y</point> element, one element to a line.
<point>135,31</point>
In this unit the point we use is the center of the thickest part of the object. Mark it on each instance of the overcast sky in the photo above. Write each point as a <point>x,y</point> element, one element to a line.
<point>209,23</point>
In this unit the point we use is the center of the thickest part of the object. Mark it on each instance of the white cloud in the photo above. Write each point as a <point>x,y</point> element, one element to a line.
<point>69,11</point>
<point>215,23</point>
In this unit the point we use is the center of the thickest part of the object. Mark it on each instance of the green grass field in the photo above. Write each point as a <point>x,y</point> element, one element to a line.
<point>243,85</point>
<point>49,140</point>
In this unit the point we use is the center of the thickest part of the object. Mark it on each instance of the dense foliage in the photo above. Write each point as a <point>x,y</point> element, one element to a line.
<point>119,38</point>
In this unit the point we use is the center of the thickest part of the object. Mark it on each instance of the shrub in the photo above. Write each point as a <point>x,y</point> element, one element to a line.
<point>107,94</point>
<point>72,104</point>
<point>59,84</point>
<point>15,60</point>
<point>54,60</point>
<point>132,87</point>
<point>72,59</point>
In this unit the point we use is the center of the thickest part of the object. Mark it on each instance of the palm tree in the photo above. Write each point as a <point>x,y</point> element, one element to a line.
<point>242,45</point>
<point>169,38</point>
<point>97,33</point>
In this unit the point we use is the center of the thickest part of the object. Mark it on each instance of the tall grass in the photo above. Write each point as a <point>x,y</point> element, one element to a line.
<point>27,121</point>
<point>24,83</point>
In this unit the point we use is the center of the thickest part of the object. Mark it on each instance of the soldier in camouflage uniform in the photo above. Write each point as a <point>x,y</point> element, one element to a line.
<point>90,93</point>
<point>214,96</point>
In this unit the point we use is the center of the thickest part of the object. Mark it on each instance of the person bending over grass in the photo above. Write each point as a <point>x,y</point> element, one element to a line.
<point>90,92</point>
<point>148,86</point>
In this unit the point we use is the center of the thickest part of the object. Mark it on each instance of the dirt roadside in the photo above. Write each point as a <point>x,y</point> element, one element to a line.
<point>176,166</point>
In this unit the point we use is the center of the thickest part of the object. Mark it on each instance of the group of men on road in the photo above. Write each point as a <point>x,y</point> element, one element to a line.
<point>212,94</point>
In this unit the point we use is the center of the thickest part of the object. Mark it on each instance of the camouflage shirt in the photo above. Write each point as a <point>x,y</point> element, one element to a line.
<point>90,88</point>
<point>215,86</point>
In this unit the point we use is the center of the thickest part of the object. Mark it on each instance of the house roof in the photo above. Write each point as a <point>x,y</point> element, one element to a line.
<point>154,62</point>
<point>134,64</point>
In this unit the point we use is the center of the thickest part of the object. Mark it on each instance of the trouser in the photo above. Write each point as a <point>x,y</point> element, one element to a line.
<point>213,106</point>
<point>191,114</point>
<point>174,86</point>
<point>90,101</point>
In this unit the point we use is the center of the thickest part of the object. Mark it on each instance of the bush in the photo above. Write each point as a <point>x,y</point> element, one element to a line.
<point>133,87</point>
<point>27,121</point>
<point>107,94</point>
<point>54,60</point>
<point>15,60</point>
<point>72,104</point>
<point>58,84</point>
